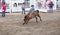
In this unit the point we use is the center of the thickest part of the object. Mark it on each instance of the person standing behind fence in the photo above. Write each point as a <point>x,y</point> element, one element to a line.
<point>23,8</point>
<point>45,4</point>
<point>51,6</point>
<point>3,10</point>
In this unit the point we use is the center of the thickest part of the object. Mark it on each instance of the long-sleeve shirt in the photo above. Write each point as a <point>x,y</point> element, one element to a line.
<point>32,9</point>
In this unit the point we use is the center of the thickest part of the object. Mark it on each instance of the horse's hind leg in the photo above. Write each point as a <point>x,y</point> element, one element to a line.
<point>36,19</point>
<point>39,17</point>
<point>24,22</point>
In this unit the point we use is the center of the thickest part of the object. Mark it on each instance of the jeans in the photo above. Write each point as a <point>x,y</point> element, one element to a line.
<point>23,11</point>
<point>3,13</point>
<point>51,9</point>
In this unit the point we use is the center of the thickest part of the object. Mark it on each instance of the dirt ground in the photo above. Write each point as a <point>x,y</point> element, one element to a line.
<point>12,24</point>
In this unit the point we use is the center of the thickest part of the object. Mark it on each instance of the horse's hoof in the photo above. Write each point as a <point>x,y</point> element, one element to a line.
<point>41,21</point>
<point>23,23</point>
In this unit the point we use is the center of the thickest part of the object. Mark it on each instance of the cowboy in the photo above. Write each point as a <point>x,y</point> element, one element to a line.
<point>32,9</point>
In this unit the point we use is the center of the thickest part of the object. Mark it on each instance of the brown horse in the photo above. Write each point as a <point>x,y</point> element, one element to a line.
<point>33,15</point>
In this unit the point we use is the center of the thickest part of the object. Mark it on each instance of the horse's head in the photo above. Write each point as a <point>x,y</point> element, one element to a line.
<point>37,11</point>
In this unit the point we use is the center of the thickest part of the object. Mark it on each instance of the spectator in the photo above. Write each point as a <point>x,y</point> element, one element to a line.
<point>3,10</point>
<point>45,4</point>
<point>23,8</point>
<point>51,6</point>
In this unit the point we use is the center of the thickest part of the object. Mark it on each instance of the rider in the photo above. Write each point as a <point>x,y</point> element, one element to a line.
<point>32,9</point>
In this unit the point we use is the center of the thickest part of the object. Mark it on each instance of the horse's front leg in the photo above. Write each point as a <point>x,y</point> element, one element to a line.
<point>40,17</point>
<point>25,22</point>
